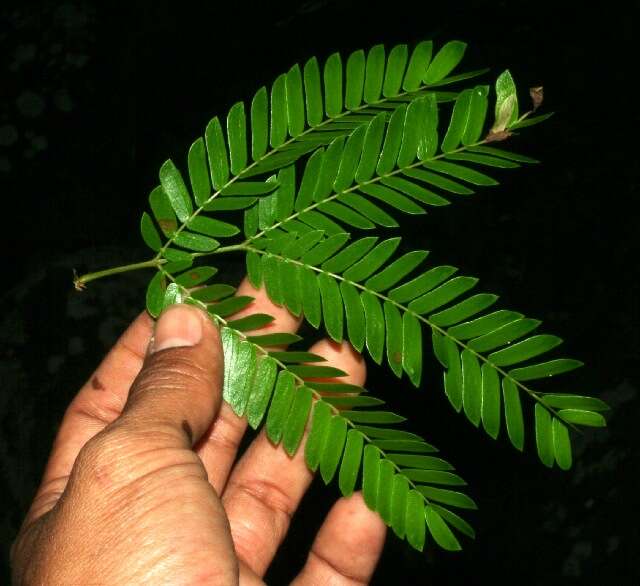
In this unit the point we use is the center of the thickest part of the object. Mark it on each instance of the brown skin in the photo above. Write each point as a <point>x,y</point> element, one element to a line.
<point>143,486</point>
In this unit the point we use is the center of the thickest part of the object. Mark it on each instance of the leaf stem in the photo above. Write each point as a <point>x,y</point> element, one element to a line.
<point>79,282</point>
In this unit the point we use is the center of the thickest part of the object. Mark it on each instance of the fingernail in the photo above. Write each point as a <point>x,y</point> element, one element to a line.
<point>178,326</point>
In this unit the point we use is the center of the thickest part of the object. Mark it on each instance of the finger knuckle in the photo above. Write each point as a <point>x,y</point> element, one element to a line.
<point>178,372</point>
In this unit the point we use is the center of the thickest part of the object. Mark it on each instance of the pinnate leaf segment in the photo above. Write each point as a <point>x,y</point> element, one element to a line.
<point>312,164</point>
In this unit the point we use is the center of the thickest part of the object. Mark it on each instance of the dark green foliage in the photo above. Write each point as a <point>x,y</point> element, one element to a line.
<point>328,151</point>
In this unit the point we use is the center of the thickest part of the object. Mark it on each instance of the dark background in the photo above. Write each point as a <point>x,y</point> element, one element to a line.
<point>94,98</point>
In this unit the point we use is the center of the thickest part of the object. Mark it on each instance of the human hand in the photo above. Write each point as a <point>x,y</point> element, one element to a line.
<point>142,485</point>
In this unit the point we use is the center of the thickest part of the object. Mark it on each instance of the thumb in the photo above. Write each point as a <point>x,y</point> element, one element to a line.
<point>179,387</point>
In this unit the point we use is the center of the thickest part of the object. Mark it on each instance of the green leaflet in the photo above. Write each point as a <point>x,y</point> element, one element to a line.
<point>155,294</point>
<point>162,211</point>
<point>213,292</point>
<point>350,158</point>
<point>332,447</point>
<point>460,172</point>
<point>385,486</point>
<point>484,325</point>
<point>529,348</point>
<point>212,227</point>
<point>412,348</point>
<point>312,92</point>
<point>354,312</point>
<point>582,417</point>
<point>506,109</point>
<point>490,405</point>
<point>346,215</point>
<point>149,233</point>
<point>396,271</point>
<point>195,276</point>
<point>438,181</point>
<point>311,299</point>
<point>380,417</point>
<point>217,154</point>
<point>550,368</point>
<point>458,123</point>
<point>319,428</point>
<point>445,61</point>
<point>261,392</point>
<point>416,191</point>
<point>374,328</point>
<point>240,366</point>
<point>292,293</point>
<point>513,413</point>
<point>280,406</point>
<point>501,153</point>
<point>199,172</point>
<point>565,401</point>
<point>471,386</point>
<point>196,242</point>
<point>308,371</point>
<point>387,433</point>
<point>331,306</point>
<point>477,114</point>
<point>295,101</point>
<point>251,322</point>
<point>328,170</point>
<point>421,284</point>
<point>278,128</point>
<point>393,325</point>
<point>544,437</point>
<point>395,70</point>
<point>331,387</point>
<point>355,80</point>
<point>236,132</point>
<point>512,330</point>
<point>172,295</point>
<point>230,306</point>
<point>392,141</point>
<point>370,467</point>
<point>176,191</point>
<point>404,445</point>
<point>371,149</point>
<point>399,493</point>
<point>418,64</point>
<point>296,420</point>
<point>421,462</point>
<point>259,124</point>
<point>443,536</point>
<point>369,210</point>
<point>486,160</point>
<point>247,188</point>
<point>448,497</point>
<point>349,255</point>
<point>441,477</point>
<point>353,401</point>
<point>333,85</point>
<point>463,310</point>
<point>561,444</point>
<point>282,339</point>
<point>412,132</point>
<point>374,74</point>
<point>454,520</point>
<point>372,261</point>
<point>442,294</point>
<point>453,375</point>
<point>295,356</point>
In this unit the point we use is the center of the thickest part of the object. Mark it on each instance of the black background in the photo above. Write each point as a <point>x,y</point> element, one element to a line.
<point>94,98</point>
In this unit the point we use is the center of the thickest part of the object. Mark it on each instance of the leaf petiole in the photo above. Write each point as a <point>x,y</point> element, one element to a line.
<point>79,282</point>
